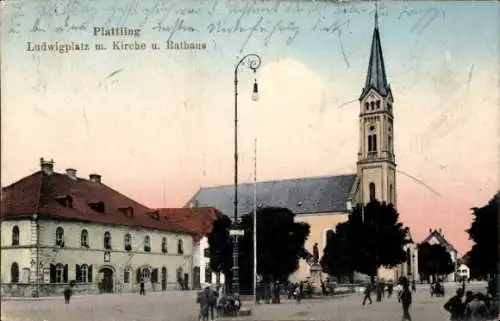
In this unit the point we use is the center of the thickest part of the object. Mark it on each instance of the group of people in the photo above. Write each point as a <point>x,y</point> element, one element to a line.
<point>404,293</point>
<point>469,306</point>
<point>209,301</point>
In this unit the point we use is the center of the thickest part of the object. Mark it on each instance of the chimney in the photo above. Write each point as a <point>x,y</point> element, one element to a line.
<point>95,178</point>
<point>47,166</point>
<point>71,172</point>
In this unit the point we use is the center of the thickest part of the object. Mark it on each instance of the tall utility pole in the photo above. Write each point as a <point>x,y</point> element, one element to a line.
<point>253,62</point>
<point>255,222</point>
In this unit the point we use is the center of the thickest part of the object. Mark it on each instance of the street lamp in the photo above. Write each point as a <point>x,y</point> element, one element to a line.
<point>37,291</point>
<point>253,61</point>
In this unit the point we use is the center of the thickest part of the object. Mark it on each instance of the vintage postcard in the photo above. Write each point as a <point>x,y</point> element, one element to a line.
<point>201,160</point>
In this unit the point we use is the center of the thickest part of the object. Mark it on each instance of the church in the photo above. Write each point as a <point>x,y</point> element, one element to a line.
<point>324,202</point>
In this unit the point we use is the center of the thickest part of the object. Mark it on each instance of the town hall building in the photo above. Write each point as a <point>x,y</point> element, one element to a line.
<point>59,229</point>
<point>324,202</point>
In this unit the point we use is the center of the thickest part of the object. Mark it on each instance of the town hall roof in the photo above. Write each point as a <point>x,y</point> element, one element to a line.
<point>67,197</point>
<point>311,195</point>
<point>197,220</point>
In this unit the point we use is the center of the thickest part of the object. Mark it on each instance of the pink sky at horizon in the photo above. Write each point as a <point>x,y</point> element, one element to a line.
<point>161,128</point>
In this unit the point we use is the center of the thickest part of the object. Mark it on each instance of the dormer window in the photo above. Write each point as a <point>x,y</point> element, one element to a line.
<point>98,207</point>
<point>372,105</point>
<point>377,103</point>
<point>154,215</point>
<point>65,201</point>
<point>128,211</point>
<point>367,106</point>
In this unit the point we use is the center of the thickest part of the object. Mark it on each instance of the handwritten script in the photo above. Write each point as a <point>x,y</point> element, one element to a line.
<point>247,20</point>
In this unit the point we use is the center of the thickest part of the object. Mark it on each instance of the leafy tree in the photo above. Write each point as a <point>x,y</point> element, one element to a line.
<point>484,232</point>
<point>336,260</point>
<point>280,244</point>
<point>365,244</point>
<point>434,259</point>
<point>220,247</point>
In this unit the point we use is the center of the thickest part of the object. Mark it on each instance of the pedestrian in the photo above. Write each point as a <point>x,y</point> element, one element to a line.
<point>413,286</point>
<point>219,302</point>
<point>202,300</point>
<point>298,293</point>
<point>142,291</point>
<point>399,290</point>
<point>212,302</point>
<point>390,287</point>
<point>476,309</point>
<point>379,288</point>
<point>67,294</point>
<point>368,292</point>
<point>406,301</point>
<point>455,306</point>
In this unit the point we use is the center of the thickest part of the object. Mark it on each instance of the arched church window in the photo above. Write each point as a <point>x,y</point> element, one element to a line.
<point>372,191</point>
<point>367,106</point>
<point>372,104</point>
<point>378,104</point>
<point>372,143</point>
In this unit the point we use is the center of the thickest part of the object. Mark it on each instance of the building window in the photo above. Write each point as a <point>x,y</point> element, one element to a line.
<point>15,235</point>
<point>164,246</point>
<point>378,104</point>
<point>83,273</point>
<point>206,252</point>
<point>65,201</point>
<point>59,273</point>
<point>372,191</point>
<point>60,236</point>
<point>372,143</point>
<point>367,106</point>
<point>126,275</point>
<point>14,273</point>
<point>84,238</point>
<point>372,105</point>
<point>145,274</point>
<point>389,107</point>
<point>147,243</point>
<point>98,207</point>
<point>208,274</point>
<point>179,275</point>
<point>128,242</point>
<point>107,241</point>
<point>180,249</point>
<point>391,196</point>
<point>389,138</point>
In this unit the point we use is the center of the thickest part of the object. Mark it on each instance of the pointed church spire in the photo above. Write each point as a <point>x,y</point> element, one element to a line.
<point>376,78</point>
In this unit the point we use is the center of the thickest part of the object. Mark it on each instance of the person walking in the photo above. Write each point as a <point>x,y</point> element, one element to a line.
<point>212,302</point>
<point>67,294</point>
<point>368,293</point>
<point>202,300</point>
<point>455,306</point>
<point>142,291</point>
<point>476,309</point>
<point>406,301</point>
<point>298,292</point>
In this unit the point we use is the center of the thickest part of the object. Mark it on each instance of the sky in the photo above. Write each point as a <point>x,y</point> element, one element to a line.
<point>157,124</point>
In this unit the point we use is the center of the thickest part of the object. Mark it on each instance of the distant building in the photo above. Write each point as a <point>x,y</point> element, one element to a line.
<point>199,221</point>
<point>463,272</point>
<point>58,228</point>
<point>322,202</point>
<point>436,236</point>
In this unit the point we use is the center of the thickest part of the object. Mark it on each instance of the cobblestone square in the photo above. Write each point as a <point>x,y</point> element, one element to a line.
<point>181,306</point>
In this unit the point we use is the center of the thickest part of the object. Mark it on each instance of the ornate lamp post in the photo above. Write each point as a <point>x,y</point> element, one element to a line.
<point>253,61</point>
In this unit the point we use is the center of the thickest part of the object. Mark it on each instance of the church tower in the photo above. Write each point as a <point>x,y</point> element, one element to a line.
<point>376,166</point>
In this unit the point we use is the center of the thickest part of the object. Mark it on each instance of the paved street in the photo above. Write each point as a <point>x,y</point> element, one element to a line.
<point>180,306</point>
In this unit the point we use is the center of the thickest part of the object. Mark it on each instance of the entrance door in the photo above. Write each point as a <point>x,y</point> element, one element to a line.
<point>196,278</point>
<point>107,280</point>
<point>163,278</point>
<point>186,280</point>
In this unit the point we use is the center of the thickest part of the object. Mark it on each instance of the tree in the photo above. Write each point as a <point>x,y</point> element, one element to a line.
<point>220,248</point>
<point>336,260</point>
<point>484,232</point>
<point>365,244</point>
<point>280,244</point>
<point>434,259</point>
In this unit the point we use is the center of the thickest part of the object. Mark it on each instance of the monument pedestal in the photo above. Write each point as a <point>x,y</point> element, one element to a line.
<point>315,274</point>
